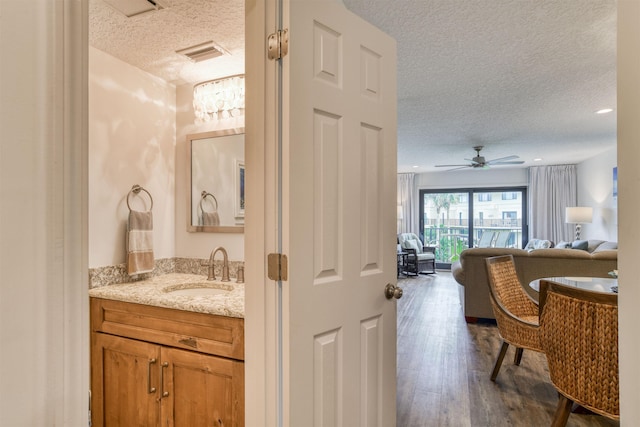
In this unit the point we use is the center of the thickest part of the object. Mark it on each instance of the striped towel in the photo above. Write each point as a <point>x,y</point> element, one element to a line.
<point>140,242</point>
<point>210,218</point>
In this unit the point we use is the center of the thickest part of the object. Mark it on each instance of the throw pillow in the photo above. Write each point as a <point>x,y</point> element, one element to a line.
<point>543,244</point>
<point>580,244</point>
<point>537,244</point>
<point>563,245</point>
<point>412,244</point>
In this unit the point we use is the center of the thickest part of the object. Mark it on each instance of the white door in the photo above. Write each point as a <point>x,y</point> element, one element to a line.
<point>338,218</point>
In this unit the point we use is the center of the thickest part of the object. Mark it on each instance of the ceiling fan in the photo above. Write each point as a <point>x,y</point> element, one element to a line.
<point>479,161</point>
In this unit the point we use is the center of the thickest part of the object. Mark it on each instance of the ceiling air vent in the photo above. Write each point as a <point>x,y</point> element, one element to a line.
<point>202,51</point>
<point>131,8</point>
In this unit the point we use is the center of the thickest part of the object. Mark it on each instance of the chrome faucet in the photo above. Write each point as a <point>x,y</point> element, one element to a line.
<point>225,264</point>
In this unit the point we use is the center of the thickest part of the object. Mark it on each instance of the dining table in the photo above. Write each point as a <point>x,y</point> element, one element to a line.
<point>605,285</point>
<point>595,284</point>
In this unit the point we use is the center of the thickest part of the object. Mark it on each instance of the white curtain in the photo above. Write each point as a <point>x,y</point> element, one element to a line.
<point>551,190</point>
<point>407,204</point>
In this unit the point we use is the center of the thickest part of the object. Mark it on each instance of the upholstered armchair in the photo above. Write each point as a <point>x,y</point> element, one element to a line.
<point>420,258</point>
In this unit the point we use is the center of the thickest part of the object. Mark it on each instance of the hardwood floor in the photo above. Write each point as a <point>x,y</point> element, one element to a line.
<point>444,366</point>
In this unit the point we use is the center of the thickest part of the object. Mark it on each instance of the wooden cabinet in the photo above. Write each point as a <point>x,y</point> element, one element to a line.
<point>153,366</point>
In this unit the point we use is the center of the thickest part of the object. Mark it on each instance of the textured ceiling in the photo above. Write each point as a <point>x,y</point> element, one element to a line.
<point>520,77</point>
<point>149,40</point>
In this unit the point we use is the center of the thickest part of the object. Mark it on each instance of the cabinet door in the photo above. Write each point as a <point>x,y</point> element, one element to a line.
<point>203,390</point>
<point>124,382</point>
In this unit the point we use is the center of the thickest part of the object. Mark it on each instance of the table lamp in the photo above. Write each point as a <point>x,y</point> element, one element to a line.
<point>578,215</point>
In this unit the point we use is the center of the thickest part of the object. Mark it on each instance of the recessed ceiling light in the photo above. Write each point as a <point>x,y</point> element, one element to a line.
<point>537,159</point>
<point>415,166</point>
<point>604,111</point>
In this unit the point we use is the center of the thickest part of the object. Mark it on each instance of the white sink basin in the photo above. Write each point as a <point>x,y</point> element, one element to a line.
<point>201,289</point>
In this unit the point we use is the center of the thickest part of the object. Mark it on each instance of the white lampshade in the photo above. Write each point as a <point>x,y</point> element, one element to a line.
<point>579,215</point>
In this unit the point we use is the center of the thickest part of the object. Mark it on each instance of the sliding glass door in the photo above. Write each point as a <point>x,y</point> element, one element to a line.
<point>456,219</point>
<point>445,224</point>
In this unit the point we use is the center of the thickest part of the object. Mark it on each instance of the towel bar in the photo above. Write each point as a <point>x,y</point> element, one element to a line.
<point>206,194</point>
<point>135,190</point>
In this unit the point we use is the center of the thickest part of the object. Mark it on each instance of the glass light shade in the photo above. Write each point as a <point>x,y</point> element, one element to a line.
<point>578,215</point>
<point>219,99</point>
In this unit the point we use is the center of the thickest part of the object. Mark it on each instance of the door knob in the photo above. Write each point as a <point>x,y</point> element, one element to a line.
<point>392,291</point>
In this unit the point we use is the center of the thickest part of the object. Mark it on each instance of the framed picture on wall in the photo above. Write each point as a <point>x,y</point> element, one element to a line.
<point>239,209</point>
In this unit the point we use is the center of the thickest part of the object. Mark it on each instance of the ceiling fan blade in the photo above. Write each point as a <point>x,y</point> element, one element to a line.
<point>452,166</point>
<point>473,161</point>
<point>502,158</point>
<point>455,169</point>
<point>517,162</point>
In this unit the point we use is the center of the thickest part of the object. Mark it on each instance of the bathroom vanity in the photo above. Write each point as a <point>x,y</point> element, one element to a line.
<point>168,351</point>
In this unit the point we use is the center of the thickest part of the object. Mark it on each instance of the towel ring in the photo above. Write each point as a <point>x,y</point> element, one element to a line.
<point>136,190</point>
<point>204,195</point>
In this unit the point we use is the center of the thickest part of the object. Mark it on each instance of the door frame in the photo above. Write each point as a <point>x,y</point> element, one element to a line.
<point>261,223</point>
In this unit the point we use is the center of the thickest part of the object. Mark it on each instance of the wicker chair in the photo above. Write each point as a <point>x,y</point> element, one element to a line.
<point>579,334</point>
<point>516,312</point>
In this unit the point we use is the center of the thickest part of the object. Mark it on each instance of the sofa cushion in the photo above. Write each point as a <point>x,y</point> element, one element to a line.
<point>593,245</point>
<point>606,246</point>
<point>580,244</point>
<point>426,255</point>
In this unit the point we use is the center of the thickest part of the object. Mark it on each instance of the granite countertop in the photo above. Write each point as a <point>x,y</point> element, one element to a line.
<point>156,291</point>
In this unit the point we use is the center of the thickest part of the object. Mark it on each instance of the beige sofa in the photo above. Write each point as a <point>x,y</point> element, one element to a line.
<point>470,270</point>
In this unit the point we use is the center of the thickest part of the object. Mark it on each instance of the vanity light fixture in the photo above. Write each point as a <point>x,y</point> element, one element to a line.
<point>219,99</point>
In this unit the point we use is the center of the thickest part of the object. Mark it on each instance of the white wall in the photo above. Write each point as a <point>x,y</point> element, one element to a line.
<point>595,189</point>
<point>132,135</point>
<point>197,245</point>
<point>138,126</point>
<point>472,179</point>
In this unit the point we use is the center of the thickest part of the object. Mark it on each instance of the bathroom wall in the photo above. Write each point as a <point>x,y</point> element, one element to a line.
<point>132,138</point>
<point>138,125</point>
<point>197,245</point>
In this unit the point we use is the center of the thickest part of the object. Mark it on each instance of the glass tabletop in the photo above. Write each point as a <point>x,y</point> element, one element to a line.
<point>596,284</point>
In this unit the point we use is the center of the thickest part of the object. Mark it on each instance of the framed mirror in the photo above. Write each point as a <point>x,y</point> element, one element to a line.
<point>216,168</point>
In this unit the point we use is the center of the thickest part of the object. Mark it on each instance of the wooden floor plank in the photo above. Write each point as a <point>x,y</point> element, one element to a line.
<point>444,365</point>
